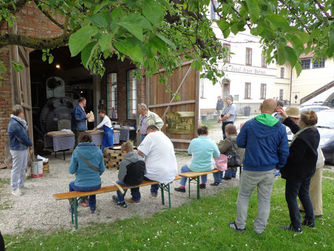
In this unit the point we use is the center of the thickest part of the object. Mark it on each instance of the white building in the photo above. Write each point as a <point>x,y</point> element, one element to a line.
<point>247,77</point>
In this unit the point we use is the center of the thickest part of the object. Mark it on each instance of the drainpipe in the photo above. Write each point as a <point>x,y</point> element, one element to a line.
<point>290,83</point>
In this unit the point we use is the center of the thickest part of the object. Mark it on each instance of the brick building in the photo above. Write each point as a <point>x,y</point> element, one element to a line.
<point>119,97</point>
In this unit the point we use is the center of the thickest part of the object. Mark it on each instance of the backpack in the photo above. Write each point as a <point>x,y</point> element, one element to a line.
<point>233,157</point>
<point>135,173</point>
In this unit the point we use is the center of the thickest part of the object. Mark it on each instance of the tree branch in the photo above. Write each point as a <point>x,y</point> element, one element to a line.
<point>12,7</point>
<point>49,16</point>
<point>323,10</point>
<point>32,42</point>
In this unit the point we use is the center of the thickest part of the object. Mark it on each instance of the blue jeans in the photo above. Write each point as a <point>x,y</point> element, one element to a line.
<point>92,198</point>
<point>134,193</point>
<point>185,169</point>
<point>218,177</point>
<point>154,189</point>
<point>20,161</point>
<point>230,173</point>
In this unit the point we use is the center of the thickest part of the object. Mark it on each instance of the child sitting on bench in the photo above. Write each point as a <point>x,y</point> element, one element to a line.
<point>131,173</point>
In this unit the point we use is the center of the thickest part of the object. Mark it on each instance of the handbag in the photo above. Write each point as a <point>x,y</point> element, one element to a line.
<point>233,157</point>
<point>221,162</point>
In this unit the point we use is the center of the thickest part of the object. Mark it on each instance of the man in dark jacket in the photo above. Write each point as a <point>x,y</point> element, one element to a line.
<point>266,143</point>
<point>79,118</point>
<point>19,143</point>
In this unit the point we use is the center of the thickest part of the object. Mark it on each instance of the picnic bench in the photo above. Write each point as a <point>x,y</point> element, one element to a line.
<point>75,195</point>
<point>194,176</point>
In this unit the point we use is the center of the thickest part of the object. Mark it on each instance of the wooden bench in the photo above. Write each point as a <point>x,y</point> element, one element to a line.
<point>194,176</point>
<point>75,195</point>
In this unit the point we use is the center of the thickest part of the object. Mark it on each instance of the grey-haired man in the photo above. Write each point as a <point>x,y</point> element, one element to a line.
<point>229,114</point>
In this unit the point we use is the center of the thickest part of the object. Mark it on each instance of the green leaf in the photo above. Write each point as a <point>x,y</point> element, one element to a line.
<point>50,59</point>
<point>167,41</point>
<point>197,65</point>
<point>330,50</point>
<point>281,54</point>
<point>86,53</point>
<point>105,41</point>
<point>99,20</point>
<point>254,9</point>
<point>135,23</point>
<point>80,39</point>
<point>153,12</point>
<point>43,57</point>
<point>130,47</point>
<point>278,21</point>
<point>290,54</point>
<point>298,69</point>
<point>158,43</point>
<point>101,6</point>
<point>223,25</point>
<point>17,66</point>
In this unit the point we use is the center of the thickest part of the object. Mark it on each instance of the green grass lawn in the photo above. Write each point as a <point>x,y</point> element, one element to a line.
<point>198,225</point>
<point>328,173</point>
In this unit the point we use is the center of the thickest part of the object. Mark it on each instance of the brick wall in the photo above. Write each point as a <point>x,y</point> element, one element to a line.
<point>31,22</point>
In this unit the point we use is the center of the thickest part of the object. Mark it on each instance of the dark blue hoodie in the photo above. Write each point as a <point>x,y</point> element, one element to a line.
<point>266,143</point>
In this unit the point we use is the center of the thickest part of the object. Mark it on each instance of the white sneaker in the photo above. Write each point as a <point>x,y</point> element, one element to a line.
<point>17,192</point>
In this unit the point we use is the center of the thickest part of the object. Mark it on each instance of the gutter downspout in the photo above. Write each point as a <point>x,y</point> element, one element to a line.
<point>290,83</point>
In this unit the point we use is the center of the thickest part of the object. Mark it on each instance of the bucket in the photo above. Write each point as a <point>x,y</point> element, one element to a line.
<point>37,168</point>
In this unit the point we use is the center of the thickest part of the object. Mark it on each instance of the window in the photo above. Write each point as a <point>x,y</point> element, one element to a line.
<point>248,56</point>
<point>263,92</point>
<point>281,94</point>
<point>247,90</point>
<point>282,72</point>
<point>227,47</point>
<point>306,63</point>
<point>131,91</point>
<point>319,64</point>
<point>263,61</point>
<point>112,95</point>
<point>226,89</point>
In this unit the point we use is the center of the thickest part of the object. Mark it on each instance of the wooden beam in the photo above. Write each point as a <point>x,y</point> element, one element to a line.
<point>183,64</point>
<point>181,140</point>
<point>174,103</point>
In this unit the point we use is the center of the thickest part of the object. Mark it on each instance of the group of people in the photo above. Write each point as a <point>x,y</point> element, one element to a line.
<point>263,138</point>
<point>267,150</point>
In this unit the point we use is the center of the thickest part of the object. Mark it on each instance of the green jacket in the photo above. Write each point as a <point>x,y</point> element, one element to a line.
<point>153,119</point>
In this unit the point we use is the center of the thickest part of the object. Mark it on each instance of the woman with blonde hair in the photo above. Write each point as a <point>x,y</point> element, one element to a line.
<point>300,168</point>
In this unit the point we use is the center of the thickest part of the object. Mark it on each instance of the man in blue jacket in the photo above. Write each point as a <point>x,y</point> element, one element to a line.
<point>79,118</point>
<point>267,150</point>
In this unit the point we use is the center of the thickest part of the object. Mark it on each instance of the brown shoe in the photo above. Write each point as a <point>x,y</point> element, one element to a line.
<point>131,201</point>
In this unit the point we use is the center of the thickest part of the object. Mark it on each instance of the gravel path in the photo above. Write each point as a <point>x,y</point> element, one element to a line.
<point>38,210</point>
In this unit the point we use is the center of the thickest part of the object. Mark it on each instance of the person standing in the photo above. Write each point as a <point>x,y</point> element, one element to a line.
<point>229,114</point>
<point>18,144</point>
<point>266,143</point>
<point>87,164</point>
<point>300,167</point>
<point>79,118</point>
<point>219,105</point>
<point>147,118</point>
<point>108,136</point>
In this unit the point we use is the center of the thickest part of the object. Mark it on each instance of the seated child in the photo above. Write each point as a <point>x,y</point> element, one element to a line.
<point>131,173</point>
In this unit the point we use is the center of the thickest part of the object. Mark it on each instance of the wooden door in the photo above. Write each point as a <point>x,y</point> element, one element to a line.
<point>180,115</point>
<point>21,85</point>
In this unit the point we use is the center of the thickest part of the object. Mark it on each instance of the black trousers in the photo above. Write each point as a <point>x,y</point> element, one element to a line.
<point>223,127</point>
<point>300,188</point>
<point>2,243</point>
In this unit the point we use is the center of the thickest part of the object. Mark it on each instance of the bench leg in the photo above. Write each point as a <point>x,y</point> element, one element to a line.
<point>162,194</point>
<point>169,202</point>
<point>76,213</point>
<point>198,192</point>
<point>189,187</point>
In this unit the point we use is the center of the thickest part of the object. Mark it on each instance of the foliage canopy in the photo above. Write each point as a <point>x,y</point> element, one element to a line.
<point>162,33</point>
